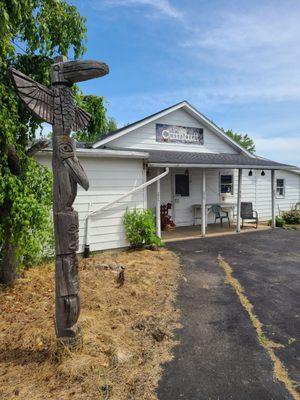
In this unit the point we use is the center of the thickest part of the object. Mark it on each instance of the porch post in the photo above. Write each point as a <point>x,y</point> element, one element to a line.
<point>158,222</point>
<point>239,195</point>
<point>203,204</point>
<point>273,198</point>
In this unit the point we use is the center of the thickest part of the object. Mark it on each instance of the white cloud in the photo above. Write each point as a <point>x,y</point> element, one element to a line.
<point>163,7</point>
<point>257,51</point>
<point>261,27</point>
<point>284,148</point>
<point>240,31</point>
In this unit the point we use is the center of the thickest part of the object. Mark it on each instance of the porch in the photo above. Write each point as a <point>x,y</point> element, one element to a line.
<point>193,186</point>
<point>212,230</point>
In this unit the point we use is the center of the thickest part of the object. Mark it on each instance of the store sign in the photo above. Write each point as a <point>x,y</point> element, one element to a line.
<point>178,134</point>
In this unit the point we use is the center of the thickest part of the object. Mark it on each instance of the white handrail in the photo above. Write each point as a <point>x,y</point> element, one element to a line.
<point>90,214</point>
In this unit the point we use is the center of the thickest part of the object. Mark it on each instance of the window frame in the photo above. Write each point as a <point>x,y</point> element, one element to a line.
<point>279,196</point>
<point>231,193</point>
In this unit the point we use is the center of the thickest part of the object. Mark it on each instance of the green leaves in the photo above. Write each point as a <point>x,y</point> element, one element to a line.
<point>41,28</point>
<point>29,198</point>
<point>99,124</point>
<point>140,228</point>
<point>243,140</point>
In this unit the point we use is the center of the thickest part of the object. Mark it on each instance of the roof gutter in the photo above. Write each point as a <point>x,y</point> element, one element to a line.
<point>103,153</point>
<point>223,166</point>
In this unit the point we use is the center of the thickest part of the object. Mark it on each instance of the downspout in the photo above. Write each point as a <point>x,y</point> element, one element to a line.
<point>90,214</point>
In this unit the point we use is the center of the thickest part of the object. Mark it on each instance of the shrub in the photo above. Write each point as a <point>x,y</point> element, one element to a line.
<point>279,221</point>
<point>291,217</point>
<point>140,228</point>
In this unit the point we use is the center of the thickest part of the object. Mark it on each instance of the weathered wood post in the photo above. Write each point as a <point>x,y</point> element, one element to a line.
<point>57,107</point>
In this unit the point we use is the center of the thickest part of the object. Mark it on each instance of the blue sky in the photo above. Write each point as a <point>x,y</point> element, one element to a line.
<point>238,62</point>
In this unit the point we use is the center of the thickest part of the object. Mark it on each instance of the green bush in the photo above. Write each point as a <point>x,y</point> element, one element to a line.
<point>279,221</point>
<point>291,217</point>
<point>140,228</point>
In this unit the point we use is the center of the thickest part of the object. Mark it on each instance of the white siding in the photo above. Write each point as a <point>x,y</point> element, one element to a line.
<point>145,137</point>
<point>258,190</point>
<point>109,178</point>
<point>255,189</point>
<point>182,209</point>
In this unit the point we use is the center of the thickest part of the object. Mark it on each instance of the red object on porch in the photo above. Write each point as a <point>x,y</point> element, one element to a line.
<point>166,219</point>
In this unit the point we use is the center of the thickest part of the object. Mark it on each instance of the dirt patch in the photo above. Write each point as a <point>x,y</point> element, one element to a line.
<point>127,330</point>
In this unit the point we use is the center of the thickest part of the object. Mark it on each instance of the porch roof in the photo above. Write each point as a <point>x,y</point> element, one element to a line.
<point>161,158</point>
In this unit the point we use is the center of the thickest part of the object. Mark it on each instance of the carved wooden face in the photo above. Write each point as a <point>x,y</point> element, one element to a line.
<point>66,147</point>
<point>57,74</point>
<point>67,232</point>
<point>72,233</point>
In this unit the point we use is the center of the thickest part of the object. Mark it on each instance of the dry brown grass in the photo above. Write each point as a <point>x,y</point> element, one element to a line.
<point>120,359</point>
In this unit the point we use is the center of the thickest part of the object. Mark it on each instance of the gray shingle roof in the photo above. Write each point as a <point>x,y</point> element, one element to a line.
<point>176,157</point>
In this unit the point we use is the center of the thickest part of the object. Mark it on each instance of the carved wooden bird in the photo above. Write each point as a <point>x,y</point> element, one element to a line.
<point>57,107</point>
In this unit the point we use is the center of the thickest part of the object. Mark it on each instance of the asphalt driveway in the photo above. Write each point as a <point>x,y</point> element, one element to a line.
<point>220,356</point>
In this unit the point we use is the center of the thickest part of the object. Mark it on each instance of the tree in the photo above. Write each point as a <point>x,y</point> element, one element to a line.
<point>39,29</point>
<point>99,124</point>
<point>111,125</point>
<point>243,140</point>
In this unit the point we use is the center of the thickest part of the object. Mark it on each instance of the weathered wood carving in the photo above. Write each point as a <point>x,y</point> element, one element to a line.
<point>57,107</point>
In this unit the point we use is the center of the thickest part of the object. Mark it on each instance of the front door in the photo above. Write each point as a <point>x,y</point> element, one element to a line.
<point>182,200</point>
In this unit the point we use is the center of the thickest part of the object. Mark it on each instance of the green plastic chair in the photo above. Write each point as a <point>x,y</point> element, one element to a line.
<point>220,214</point>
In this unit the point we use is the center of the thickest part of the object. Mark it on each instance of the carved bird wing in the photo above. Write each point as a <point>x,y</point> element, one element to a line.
<point>82,119</point>
<point>35,96</point>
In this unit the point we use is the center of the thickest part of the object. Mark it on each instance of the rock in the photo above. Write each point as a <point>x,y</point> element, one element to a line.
<point>158,335</point>
<point>112,267</point>
<point>122,356</point>
<point>139,326</point>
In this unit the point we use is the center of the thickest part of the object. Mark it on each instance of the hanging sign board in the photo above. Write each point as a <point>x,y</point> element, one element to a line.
<point>179,134</point>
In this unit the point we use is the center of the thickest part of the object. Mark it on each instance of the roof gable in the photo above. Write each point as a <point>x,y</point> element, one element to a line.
<point>182,105</point>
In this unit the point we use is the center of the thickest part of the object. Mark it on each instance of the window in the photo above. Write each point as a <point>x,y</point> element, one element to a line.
<point>182,185</point>
<point>280,188</point>
<point>226,184</point>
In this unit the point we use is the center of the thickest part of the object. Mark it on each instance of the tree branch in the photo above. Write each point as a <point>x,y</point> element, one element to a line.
<point>41,144</point>
<point>13,160</point>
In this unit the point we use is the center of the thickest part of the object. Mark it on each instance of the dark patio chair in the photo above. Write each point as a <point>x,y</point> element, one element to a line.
<point>220,214</point>
<point>247,213</point>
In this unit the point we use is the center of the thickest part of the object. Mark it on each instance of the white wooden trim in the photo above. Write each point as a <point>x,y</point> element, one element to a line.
<point>220,166</point>
<point>203,204</point>
<point>102,153</point>
<point>239,196</point>
<point>137,125</point>
<point>273,190</point>
<point>276,186</point>
<point>232,184</point>
<point>198,115</point>
<point>192,110</point>
<point>173,195</point>
<point>158,221</point>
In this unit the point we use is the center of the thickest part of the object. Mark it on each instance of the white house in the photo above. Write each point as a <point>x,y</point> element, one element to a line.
<point>175,156</point>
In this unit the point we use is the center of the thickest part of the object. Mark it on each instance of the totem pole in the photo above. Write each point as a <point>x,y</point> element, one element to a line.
<point>57,107</point>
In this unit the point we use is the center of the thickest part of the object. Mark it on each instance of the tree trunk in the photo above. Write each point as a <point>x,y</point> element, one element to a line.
<point>8,267</point>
